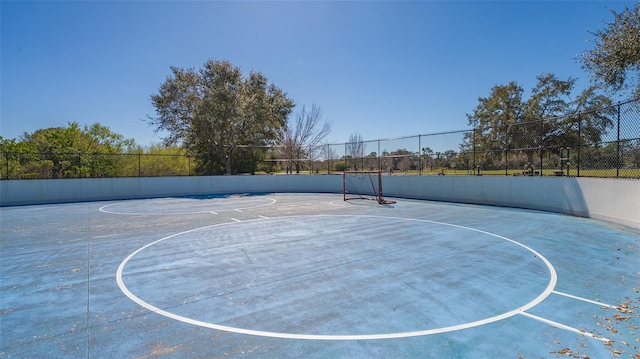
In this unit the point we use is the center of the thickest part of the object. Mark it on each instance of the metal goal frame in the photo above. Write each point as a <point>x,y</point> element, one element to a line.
<point>375,178</point>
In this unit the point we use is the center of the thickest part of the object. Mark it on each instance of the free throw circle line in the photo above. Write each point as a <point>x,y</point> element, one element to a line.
<point>548,290</point>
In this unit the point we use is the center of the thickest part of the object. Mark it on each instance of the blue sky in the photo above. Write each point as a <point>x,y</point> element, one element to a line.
<point>377,68</point>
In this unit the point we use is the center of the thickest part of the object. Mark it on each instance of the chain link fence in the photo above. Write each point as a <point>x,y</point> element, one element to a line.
<point>602,143</point>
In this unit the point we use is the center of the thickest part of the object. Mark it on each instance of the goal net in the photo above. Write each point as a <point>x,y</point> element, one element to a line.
<point>363,185</point>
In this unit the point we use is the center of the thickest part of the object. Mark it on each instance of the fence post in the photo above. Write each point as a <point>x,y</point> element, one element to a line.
<point>579,161</point>
<point>420,155</point>
<point>328,157</point>
<point>474,151</point>
<point>568,161</point>
<point>541,144</point>
<point>618,149</point>
<point>6,157</point>
<point>379,157</point>
<point>346,160</point>
<point>506,151</point>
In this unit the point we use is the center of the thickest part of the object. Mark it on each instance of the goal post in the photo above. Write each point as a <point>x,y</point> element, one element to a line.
<point>363,185</point>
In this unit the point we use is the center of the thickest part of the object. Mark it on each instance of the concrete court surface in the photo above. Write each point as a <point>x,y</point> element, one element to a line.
<point>308,275</point>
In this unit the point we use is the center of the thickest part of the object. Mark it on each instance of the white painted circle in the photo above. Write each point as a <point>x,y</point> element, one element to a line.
<point>212,205</point>
<point>547,291</point>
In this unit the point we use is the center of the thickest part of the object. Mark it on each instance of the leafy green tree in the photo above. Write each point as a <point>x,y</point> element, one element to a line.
<point>63,152</point>
<point>16,158</point>
<point>102,151</point>
<point>76,151</point>
<point>614,60</point>
<point>449,158</point>
<point>371,161</point>
<point>401,159</point>
<point>427,158</point>
<point>550,100</point>
<point>215,111</point>
<point>160,160</point>
<point>632,155</point>
<point>589,119</point>
<point>342,165</point>
<point>493,120</point>
<point>154,160</point>
<point>465,158</point>
<point>551,118</point>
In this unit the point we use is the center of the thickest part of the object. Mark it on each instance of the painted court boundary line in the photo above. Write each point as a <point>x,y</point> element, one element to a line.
<point>586,300</point>
<point>565,327</point>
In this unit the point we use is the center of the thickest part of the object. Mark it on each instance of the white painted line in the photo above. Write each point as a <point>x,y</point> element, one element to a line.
<point>237,220</point>
<point>105,209</point>
<point>212,212</point>
<point>238,210</point>
<point>263,217</point>
<point>550,286</point>
<point>565,327</point>
<point>586,300</point>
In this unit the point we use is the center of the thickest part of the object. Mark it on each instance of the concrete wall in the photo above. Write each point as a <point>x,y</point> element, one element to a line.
<point>611,200</point>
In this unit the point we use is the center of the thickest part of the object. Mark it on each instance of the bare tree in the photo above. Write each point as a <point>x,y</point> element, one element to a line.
<point>301,138</point>
<point>355,148</point>
<point>330,156</point>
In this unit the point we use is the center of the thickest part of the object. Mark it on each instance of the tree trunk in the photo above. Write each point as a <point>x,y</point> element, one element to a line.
<point>227,165</point>
<point>530,156</point>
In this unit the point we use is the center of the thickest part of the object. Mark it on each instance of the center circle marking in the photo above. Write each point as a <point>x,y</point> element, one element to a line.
<point>545,293</point>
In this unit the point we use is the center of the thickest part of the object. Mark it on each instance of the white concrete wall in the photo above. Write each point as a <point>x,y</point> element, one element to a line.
<point>611,200</point>
<point>23,192</point>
